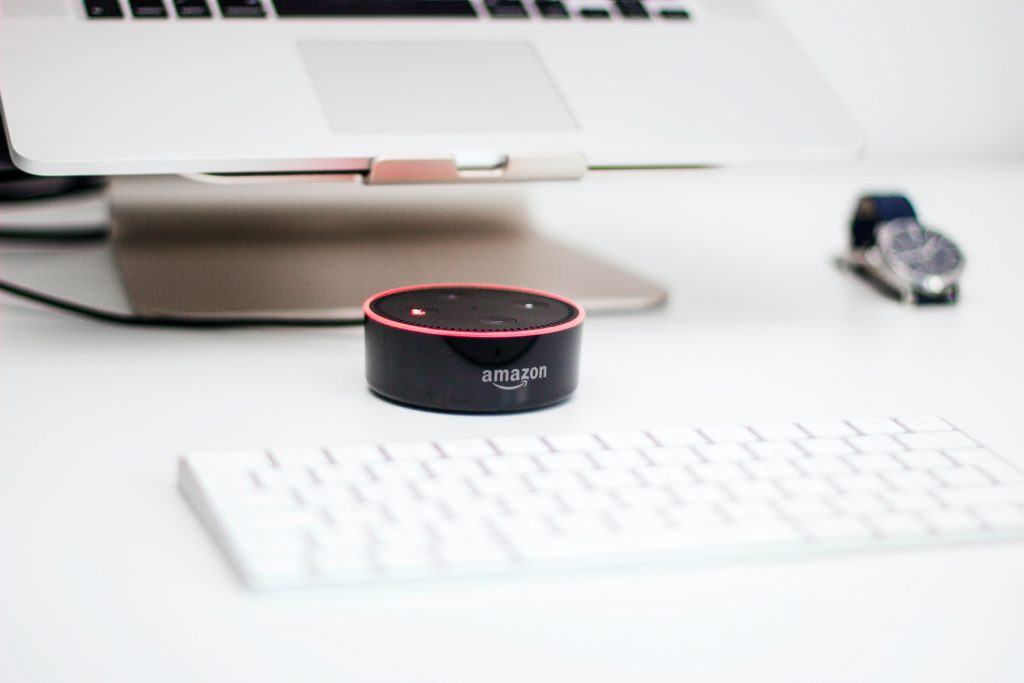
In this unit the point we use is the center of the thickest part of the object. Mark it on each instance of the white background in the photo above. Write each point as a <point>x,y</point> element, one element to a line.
<point>925,78</point>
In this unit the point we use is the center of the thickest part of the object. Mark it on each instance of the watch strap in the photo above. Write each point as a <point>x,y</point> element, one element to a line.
<point>874,209</point>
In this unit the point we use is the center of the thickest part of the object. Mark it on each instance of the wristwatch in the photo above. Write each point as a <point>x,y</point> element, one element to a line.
<point>892,249</point>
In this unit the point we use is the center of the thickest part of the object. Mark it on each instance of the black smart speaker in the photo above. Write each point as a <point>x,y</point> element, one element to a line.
<point>472,348</point>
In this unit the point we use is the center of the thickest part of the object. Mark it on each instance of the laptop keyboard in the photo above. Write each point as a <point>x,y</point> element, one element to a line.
<point>371,512</point>
<point>666,10</point>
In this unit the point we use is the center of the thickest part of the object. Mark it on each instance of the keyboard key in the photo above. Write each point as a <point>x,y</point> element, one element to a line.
<point>806,486</point>
<point>397,469</point>
<point>595,13</point>
<point>936,440</point>
<point>452,467</point>
<point>443,487</point>
<point>925,424</point>
<point>775,449</point>
<point>663,474</point>
<point>697,493</point>
<point>748,509</point>
<point>825,446</point>
<point>498,484</point>
<point>148,9</point>
<point>989,495</point>
<point>473,506</point>
<point>771,469</point>
<point>514,445</point>
<point>753,489</point>
<point>944,520</point>
<point>875,444</point>
<point>618,457</point>
<point>191,9</point>
<point>1000,516</point>
<point>1000,471</point>
<point>506,9</point>
<point>631,519</point>
<point>828,428</point>
<point>858,482</point>
<point>718,471</point>
<point>671,455</point>
<point>910,479</point>
<point>610,478</point>
<point>724,452</point>
<point>877,426</point>
<point>804,508</point>
<point>835,528</point>
<point>921,460</point>
<point>625,439</point>
<point>374,8</point>
<point>552,9</point>
<point>340,472</point>
<point>893,525</point>
<point>513,464</point>
<point>823,464</point>
<point>857,503</point>
<point>458,448</point>
<point>103,9</point>
<point>555,481</point>
<point>677,437</point>
<point>587,499</point>
<point>874,462</point>
<point>231,9</point>
<point>355,452</point>
<point>384,491</point>
<point>961,476</point>
<point>573,442</point>
<point>785,430</point>
<point>539,503</point>
<point>909,501</point>
<point>721,434</point>
<point>642,495</point>
<point>632,9</point>
<point>696,513</point>
<point>411,450</point>
<point>569,460</point>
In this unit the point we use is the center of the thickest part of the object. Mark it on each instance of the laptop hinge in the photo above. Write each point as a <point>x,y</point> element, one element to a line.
<point>514,168</point>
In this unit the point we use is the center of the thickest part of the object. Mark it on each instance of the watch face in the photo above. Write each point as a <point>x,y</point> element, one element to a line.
<point>919,255</point>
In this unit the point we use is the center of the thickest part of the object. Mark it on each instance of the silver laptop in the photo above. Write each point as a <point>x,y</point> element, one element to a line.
<point>538,88</point>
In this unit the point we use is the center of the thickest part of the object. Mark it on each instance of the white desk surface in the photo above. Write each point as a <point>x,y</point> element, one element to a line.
<point>106,574</point>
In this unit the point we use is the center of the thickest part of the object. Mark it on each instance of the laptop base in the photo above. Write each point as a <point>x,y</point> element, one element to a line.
<point>308,250</point>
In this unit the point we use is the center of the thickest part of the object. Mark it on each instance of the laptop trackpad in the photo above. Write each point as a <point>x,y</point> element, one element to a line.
<point>370,88</point>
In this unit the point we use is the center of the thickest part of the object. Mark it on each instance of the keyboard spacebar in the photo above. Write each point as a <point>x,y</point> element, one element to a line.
<point>374,8</point>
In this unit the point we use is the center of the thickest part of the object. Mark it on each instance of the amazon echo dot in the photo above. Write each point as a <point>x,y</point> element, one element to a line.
<point>472,348</point>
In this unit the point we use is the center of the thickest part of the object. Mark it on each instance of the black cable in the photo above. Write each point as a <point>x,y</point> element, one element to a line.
<point>31,233</point>
<point>165,321</point>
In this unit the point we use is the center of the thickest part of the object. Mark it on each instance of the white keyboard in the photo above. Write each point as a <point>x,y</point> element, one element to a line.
<point>372,512</point>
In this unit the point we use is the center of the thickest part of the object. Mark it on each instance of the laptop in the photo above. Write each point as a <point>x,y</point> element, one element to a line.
<point>531,88</point>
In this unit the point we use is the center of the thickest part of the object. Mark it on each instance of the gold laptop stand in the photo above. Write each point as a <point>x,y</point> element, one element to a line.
<point>319,247</point>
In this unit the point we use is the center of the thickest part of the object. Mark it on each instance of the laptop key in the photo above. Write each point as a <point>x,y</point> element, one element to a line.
<point>595,13</point>
<point>632,9</point>
<point>191,9</point>
<point>241,9</point>
<point>374,8</point>
<point>675,14</point>
<point>552,9</point>
<point>103,9</point>
<point>148,9</point>
<point>506,9</point>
